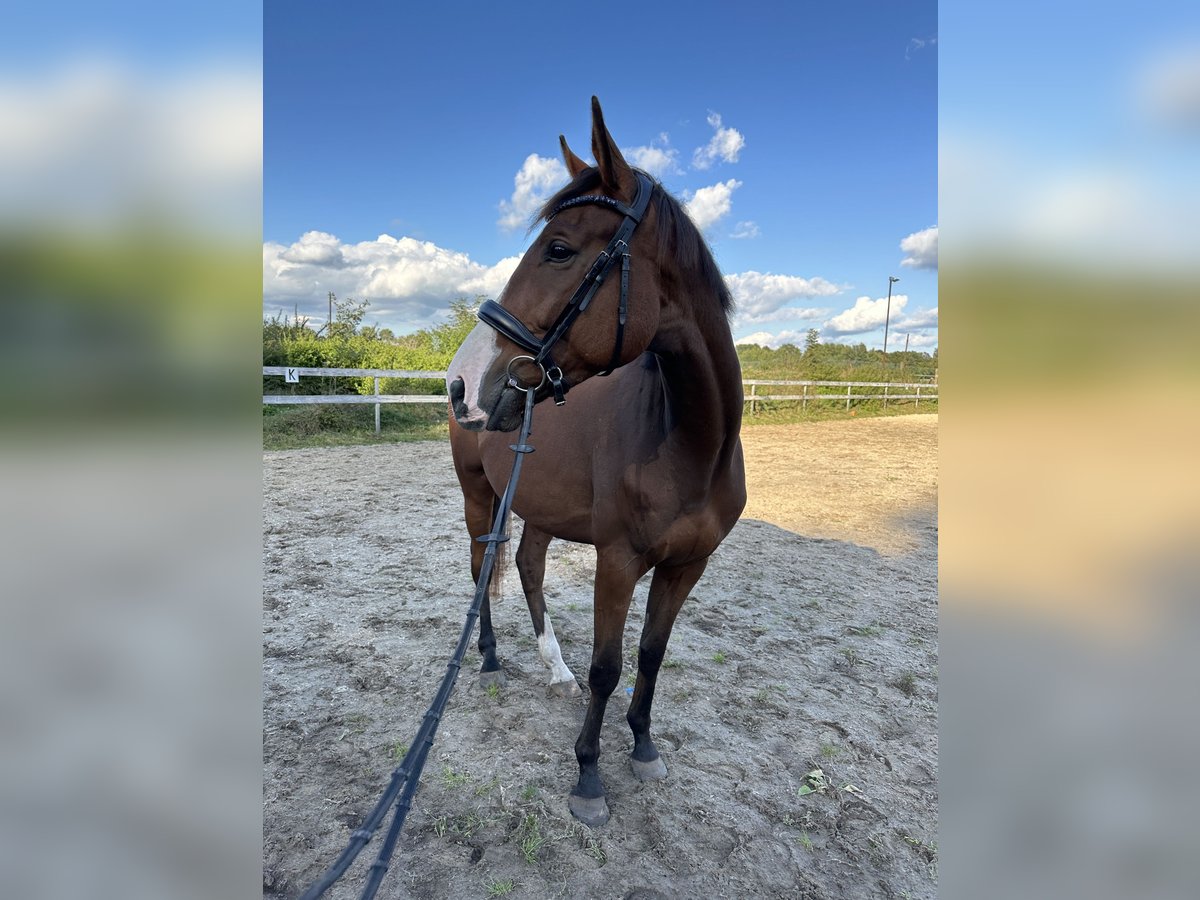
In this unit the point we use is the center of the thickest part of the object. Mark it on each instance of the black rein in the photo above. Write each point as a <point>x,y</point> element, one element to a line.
<point>407,775</point>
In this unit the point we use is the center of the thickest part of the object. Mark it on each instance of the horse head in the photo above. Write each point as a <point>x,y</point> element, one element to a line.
<point>585,298</point>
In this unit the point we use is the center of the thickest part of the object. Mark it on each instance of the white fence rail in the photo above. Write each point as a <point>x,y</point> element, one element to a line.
<point>893,392</point>
<point>810,391</point>
<point>293,374</point>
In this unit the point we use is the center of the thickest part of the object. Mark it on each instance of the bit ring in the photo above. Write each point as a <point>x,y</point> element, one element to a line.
<point>513,382</point>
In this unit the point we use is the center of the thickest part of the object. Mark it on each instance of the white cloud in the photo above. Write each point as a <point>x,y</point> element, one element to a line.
<point>745,230</point>
<point>924,342</point>
<point>921,319</point>
<point>659,158</point>
<point>865,315</point>
<point>763,297</point>
<point>708,205</point>
<point>922,249</point>
<point>774,340</point>
<point>410,283</point>
<point>315,248</point>
<point>916,44</point>
<point>725,145</point>
<point>538,178</point>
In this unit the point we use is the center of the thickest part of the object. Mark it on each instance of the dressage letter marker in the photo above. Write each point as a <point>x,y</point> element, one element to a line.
<point>291,376</point>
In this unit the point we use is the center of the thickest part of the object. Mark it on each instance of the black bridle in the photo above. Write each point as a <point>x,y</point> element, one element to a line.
<point>514,329</point>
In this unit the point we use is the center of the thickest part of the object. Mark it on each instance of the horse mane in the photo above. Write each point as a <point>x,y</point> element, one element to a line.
<point>682,251</point>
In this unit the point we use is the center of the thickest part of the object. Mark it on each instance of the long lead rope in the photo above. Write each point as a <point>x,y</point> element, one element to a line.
<point>407,775</point>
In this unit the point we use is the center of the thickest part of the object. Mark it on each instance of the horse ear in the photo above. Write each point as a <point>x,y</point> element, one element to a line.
<point>616,174</point>
<point>575,165</point>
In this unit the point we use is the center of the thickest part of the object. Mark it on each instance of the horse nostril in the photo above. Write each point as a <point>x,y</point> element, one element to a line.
<point>458,391</point>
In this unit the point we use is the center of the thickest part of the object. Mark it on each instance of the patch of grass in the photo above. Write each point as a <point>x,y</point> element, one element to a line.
<point>492,690</point>
<point>763,695</point>
<point>865,630</point>
<point>672,664</point>
<point>928,852</point>
<point>532,839</point>
<point>467,825</point>
<point>851,657</point>
<point>789,412</point>
<point>399,752</point>
<point>719,656</point>
<point>595,851</point>
<point>316,425</point>
<point>529,794</point>
<point>805,841</point>
<point>498,888</point>
<point>452,779</point>
<point>355,723</point>
<point>487,787</point>
<point>830,751</point>
<point>589,844</point>
<point>462,826</point>
<point>906,684</point>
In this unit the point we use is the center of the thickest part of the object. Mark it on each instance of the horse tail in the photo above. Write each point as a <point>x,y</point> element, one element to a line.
<point>496,583</point>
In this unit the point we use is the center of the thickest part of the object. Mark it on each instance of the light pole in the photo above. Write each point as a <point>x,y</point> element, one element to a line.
<point>892,279</point>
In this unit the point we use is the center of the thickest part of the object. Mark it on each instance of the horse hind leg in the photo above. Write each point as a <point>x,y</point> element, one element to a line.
<point>531,564</point>
<point>668,589</point>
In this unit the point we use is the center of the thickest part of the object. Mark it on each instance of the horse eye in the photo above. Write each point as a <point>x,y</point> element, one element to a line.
<point>559,252</point>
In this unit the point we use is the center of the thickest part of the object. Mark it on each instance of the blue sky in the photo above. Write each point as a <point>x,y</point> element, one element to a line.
<point>438,128</point>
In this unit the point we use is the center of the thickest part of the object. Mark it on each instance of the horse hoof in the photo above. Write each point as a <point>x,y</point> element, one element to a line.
<point>564,689</point>
<point>487,679</point>
<point>592,811</point>
<point>649,771</point>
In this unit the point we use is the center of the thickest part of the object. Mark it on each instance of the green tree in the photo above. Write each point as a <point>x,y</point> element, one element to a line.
<point>811,340</point>
<point>347,316</point>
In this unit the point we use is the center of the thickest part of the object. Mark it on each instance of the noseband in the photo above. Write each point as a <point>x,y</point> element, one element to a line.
<point>514,329</point>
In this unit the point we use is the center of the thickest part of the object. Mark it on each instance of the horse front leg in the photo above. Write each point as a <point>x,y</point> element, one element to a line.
<point>479,502</point>
<point>616,574</point>
<point>531,564</point>
<point>668,590</point>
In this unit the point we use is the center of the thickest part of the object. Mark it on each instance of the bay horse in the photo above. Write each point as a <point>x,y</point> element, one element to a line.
<point>645,464</point>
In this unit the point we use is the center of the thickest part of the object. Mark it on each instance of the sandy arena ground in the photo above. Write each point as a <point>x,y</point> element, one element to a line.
<point>810,644</point>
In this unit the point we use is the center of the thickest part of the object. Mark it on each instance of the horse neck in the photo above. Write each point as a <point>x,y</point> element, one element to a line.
<point>703,382</point>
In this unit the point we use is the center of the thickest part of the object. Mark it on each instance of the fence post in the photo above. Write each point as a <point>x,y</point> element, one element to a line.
<point>847,396</point>
<point>804,402</point>
<point>753,395</point>
<point>917,405</point>
<point>885,387</point>
<point>377,405</point>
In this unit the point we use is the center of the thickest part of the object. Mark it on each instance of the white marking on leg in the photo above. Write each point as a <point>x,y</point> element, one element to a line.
<point>552,655</point>
<point>472,362</point>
